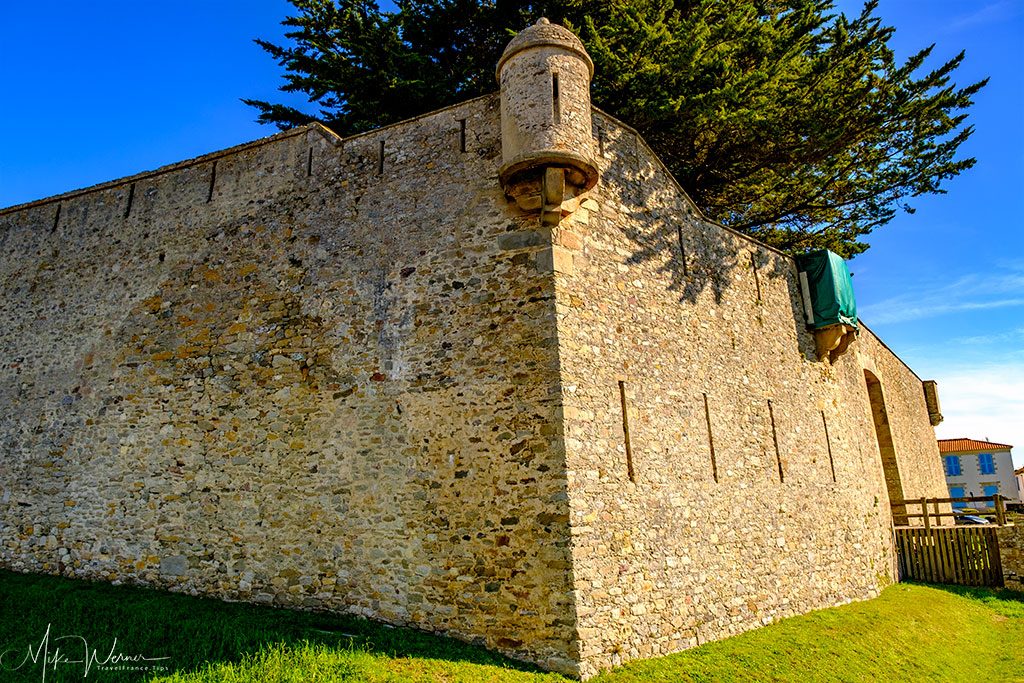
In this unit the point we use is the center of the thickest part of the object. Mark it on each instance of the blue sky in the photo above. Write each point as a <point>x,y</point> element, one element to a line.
<point>944,287</point>
<point>96,91</point>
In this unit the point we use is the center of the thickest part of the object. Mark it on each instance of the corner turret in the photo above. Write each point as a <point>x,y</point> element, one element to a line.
<point>546,135</point>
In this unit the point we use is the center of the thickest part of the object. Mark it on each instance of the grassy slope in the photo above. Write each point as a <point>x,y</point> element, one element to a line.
<point>910,633</point>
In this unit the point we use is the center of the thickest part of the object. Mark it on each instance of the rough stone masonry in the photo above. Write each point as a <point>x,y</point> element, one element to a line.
<point>487,372</point>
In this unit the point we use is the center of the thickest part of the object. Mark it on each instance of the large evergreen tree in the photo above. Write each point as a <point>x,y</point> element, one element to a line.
<point>782,118</point>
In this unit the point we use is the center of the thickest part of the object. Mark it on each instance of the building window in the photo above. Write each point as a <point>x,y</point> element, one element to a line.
<point>986,463</point>
<point>953,466</point>
<point>991,490</point>
<point>957,492</point>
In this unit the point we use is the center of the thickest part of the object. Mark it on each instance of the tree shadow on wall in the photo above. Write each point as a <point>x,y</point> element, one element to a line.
<point>662,223</point>
<point>227,640</point>
<point>696,255</point>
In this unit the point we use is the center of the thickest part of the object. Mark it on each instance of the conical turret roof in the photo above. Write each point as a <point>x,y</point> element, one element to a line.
<point>541,34</point>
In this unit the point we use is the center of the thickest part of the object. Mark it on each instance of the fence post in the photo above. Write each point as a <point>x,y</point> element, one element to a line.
<point>1000,510</point>
<point>924,512</point>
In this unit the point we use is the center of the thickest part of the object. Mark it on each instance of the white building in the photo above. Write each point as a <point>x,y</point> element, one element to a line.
<point>979,468</point>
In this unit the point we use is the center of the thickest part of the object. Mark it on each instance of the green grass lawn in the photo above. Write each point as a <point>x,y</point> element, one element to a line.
<point>910,633</point>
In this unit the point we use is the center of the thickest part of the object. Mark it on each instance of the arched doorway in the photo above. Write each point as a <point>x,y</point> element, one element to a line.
<point>893,484</point>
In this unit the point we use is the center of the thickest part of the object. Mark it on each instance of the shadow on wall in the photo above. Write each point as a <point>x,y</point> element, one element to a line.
<point>193,632</point>
<point>694,253</point>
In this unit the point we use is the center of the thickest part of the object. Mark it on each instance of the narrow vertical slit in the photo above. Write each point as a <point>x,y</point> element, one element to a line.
<point>625,432</point>
<point>600,141</point>
<point>213,181</point>
<point>56,219</point>
<point>462,135</point>
<point>757,278</point>
<point>131,198</point>
<point>309,163</point>
<point>380,159</point>
<point>828,442</point>
<point>556,106</point>
<point>711,439</point>
<point>775,440</point>
<point>682,249</point>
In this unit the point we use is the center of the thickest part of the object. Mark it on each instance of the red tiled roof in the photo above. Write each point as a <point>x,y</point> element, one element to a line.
<point>957,445</point>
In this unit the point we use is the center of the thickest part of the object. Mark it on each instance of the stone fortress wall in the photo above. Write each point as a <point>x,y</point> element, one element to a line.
<point>329,384</point>
<point>753,487</point>
<point>353,375</point>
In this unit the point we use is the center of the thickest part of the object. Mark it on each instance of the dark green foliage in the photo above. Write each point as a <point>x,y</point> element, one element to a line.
<point>781,118</point>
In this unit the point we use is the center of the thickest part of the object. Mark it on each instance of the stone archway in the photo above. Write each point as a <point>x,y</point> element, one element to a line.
<point>893,483</point>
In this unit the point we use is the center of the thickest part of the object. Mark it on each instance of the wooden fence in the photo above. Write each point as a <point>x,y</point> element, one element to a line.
<point>964,555</point>
<point>931,512</point>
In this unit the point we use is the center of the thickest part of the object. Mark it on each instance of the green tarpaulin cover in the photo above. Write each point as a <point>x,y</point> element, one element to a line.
<point>828,288</point>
